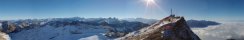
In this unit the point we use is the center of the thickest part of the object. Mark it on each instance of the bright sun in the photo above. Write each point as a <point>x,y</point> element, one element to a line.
<point>151,8</point>
<point>149,2</point>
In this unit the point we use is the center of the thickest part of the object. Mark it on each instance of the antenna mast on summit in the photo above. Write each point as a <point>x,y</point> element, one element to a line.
<point>171,13</point>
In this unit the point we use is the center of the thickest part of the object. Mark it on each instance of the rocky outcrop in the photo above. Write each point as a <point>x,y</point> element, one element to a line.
<point>169,28</point>
<point>8,27</point>
<point>4,36</point>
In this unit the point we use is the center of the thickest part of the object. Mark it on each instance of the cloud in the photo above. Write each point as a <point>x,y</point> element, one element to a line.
<point>223,31</point>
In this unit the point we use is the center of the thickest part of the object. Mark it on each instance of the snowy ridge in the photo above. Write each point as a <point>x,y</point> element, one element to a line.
<point>150,29</point>
<point>158,31</point>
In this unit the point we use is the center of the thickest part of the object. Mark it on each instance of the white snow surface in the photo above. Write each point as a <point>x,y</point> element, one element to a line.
<point>4,36</point>
<point>95,37</point>
<point>149,29</point>
<point>61,33</point>
<point>66,28</point>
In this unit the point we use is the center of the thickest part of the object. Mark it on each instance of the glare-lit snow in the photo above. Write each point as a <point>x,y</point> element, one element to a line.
<point>95,37</point>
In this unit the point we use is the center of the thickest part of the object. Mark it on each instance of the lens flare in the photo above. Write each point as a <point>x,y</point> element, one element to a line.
<point>150,2</point>
<point>152,9</point>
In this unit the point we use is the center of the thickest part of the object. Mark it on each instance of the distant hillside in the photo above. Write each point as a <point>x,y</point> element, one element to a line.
<point>143,20</point>
<point>201,23</point>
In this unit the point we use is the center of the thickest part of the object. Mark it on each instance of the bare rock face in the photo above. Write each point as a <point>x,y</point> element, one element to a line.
<point>8,27</point>
<point>169,28</point>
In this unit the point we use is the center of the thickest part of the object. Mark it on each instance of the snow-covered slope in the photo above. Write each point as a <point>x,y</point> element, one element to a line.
<point>4,36</point>
<point>169,28</point>
<point>69,28</point>
<point>59,33</point>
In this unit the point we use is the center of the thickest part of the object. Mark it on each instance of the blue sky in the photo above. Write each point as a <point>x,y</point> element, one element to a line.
<point>190,9</point>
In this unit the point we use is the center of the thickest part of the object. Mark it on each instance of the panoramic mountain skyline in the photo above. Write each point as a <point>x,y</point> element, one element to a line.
<point>191,9</point>
<point>121,19</point>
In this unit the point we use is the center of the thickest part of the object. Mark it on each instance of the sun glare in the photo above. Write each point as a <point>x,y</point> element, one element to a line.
<point>151,8</point>
<point>149,2</point>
